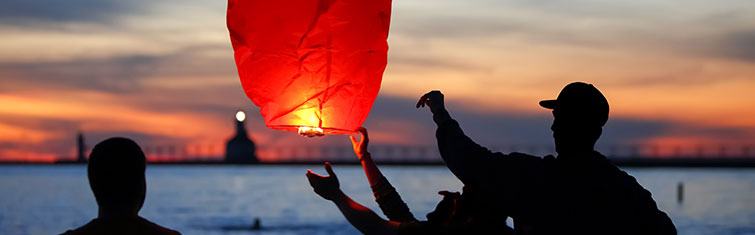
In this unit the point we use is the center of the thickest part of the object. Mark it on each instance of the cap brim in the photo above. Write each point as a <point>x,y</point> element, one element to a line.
<point>549,104</point>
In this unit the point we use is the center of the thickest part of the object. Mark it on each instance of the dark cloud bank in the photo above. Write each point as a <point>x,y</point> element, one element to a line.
<point>27,12</point>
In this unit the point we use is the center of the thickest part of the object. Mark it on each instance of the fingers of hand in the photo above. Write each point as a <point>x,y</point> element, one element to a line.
<point>313,175</point>
<point>311,178</point>
<point>362,140</point>
<point>432,95</point>
<point>365,137</point>
<point>329,169</point>
<point>422,100</point>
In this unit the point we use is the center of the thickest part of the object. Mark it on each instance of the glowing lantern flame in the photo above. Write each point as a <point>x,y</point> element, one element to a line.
<point>310,131</point>
<point>240,116</point>
<point>312,66</point>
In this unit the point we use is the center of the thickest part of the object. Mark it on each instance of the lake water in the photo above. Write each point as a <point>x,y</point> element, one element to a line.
<point>218,199</point>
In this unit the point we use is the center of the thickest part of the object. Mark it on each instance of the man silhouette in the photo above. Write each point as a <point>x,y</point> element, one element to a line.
<point>578,192</point>
<point>116,176</point>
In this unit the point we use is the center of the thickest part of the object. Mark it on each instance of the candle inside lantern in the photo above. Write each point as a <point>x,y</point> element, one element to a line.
<point>310,131</point>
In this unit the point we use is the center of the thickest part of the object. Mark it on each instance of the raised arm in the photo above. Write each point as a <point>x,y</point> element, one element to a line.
<point>374,176</point>
<point>466,159</point>
<point>362,218</point>
<point>388,199</point>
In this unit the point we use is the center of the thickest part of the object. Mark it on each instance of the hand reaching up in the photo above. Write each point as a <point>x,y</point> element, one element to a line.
<point>433,100</point>
<point>325,186</point>
<point>360,148</point>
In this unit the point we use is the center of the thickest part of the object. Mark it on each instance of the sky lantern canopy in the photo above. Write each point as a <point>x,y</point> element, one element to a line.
<point>312,66</point>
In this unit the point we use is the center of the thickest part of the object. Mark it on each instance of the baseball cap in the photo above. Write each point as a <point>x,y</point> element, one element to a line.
<point>581,100</point>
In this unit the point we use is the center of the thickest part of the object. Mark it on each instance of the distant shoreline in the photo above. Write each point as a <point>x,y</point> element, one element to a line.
<point>623,162</point>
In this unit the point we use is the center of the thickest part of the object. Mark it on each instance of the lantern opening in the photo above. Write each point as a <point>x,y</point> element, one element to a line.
<point>310,131</point>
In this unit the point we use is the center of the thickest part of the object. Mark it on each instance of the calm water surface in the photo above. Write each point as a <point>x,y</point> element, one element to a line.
<point>48,199</point>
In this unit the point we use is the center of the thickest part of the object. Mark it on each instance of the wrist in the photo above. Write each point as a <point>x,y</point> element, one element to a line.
<point>441,116</point>
<point>338,197</point>
<point>364,156</point>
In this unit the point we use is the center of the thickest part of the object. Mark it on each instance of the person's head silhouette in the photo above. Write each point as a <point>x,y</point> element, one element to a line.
<point>579,112</point>
<point>116,176</point>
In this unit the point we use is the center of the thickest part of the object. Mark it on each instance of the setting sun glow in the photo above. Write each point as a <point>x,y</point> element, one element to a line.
<point>676,78</point>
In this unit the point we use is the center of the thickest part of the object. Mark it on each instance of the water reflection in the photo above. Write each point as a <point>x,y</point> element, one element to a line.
<point>227,199</point>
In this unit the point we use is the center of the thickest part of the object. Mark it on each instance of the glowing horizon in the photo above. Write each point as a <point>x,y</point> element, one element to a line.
<point>163,73</point>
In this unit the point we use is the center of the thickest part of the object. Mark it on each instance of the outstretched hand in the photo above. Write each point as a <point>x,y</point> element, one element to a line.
<point>325,186</point>
<point>360,148</point>
<point>433,100</point>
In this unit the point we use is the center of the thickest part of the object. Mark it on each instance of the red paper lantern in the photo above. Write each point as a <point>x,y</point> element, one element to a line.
<point>311,64</point>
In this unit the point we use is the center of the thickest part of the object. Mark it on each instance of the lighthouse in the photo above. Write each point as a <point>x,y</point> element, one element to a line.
<point>80,148</point>
<point>240,149</point>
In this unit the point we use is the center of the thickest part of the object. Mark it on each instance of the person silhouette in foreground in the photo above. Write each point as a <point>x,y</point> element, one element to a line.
<point>116,176</point>
<point>578,192</point>
<point>455,214</point>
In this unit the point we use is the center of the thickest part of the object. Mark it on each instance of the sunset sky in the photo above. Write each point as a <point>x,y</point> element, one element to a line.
<point>676,73</point>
